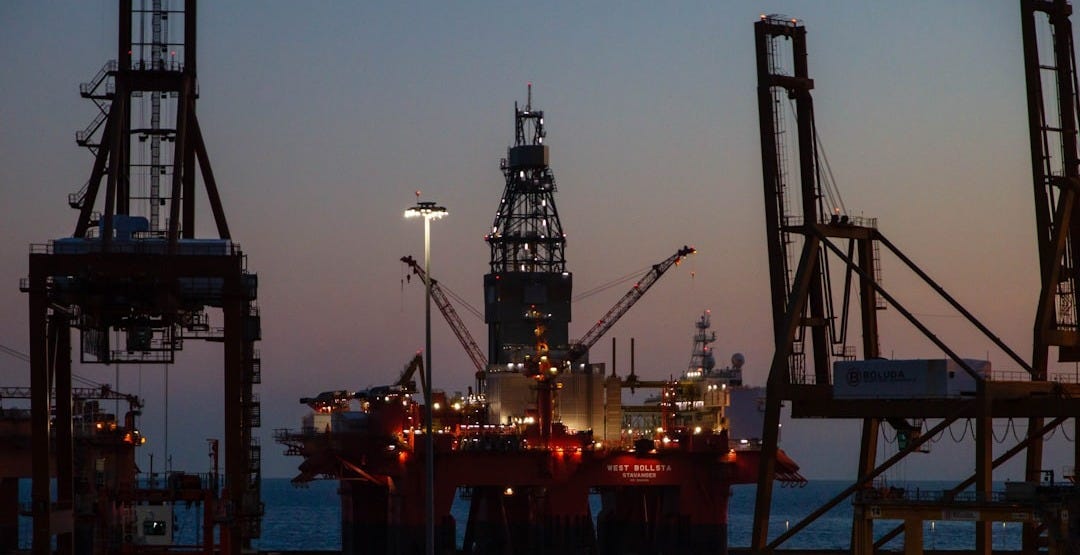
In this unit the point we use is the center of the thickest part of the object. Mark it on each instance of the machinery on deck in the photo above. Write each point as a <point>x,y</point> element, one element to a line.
<point>575,351</point>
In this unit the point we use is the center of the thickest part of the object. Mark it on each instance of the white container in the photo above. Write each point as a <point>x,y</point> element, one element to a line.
<point>746,413</point>
<point>904,379</point>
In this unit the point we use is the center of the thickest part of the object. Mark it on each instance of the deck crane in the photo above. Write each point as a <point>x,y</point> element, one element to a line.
<point>456,325</point>
<point>577,349</point>
<point>581,347</point>
<point>415,367</point>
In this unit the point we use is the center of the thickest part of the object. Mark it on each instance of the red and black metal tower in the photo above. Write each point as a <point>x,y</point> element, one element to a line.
<point>1053,112</point>
<point>804,303</point>
<point>816,314</point>
<point>528,262</point>
<point>134,287</point>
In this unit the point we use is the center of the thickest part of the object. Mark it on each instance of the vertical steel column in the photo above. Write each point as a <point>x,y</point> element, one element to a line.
<point>1064,60</point>
<point>868,300</point>
<point>39,411</point>
<point>1053,224</point>
<point>984,461</point>
<point>913,537</point>
<point>122,103</point>
<point>770,172</point>
<point>804,107</point>
<point>871,349</point>
<point>770,438</point>
<point>775,390</point>
<point>429,457</point>
<point>858,537</point>
<point>235,459</point>
<point>862,529</point>
<point>1048,246</point>
<point>60,361</point>
<point>188,162</point>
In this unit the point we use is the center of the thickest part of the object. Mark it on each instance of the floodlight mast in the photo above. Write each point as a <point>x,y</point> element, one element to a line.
<point>428,211</point>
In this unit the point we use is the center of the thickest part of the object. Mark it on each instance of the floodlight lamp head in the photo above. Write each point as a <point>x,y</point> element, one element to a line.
<point>427,210</point>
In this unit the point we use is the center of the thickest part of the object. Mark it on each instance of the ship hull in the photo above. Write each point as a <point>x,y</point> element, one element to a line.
<point>533,500</point>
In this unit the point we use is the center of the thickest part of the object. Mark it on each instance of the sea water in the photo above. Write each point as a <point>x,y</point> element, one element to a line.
<point>309,518</point>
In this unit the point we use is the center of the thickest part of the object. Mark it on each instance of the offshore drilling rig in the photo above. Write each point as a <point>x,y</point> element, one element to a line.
<point>135,282</point>
<point>544,427</point>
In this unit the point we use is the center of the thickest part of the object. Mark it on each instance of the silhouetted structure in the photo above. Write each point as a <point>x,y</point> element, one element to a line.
<point>136,290</point>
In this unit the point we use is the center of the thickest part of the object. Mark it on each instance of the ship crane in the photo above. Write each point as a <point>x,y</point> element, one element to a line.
<point>456,325</point>
<point>415,367</point>
<point>581,347</point>
<point>81,393</point>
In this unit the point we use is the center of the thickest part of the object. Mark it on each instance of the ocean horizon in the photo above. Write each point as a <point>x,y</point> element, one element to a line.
<point>309,518</point>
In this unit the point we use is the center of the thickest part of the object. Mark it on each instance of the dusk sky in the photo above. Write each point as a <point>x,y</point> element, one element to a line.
<point>322,119</point>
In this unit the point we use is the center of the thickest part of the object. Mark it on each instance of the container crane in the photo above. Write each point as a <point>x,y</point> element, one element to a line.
<point>581,347</point>
<point>456,325</point>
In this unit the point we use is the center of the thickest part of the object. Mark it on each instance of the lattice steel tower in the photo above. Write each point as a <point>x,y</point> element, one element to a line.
<point>528,262</point>
<point>135,287</point>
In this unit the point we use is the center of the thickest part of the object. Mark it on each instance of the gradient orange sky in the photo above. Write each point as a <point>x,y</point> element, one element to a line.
<point>322,119</point>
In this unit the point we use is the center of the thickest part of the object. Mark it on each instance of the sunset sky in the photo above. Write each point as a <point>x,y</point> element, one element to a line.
<point>322,119</point>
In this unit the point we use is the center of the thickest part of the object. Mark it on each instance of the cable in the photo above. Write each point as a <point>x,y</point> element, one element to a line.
<point>461,301</point>
<point>12,352</point>
<point>26,358</point>
<point>963,433</point>
<point>609,284</point>
<point>1015,436</point>
<point>1004,434</point>
<point>885,435</point>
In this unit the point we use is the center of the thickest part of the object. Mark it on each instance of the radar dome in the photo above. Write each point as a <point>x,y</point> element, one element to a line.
<point>738,360</point>
<point>709,362</point>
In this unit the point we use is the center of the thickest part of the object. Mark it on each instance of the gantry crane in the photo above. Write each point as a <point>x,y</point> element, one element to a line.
<point>1055,169</point>
<point>803,303</point>
<point>134,286</point>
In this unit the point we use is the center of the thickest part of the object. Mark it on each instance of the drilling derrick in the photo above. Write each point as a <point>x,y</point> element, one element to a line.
<point>528,263</point>
<point>134,286</point>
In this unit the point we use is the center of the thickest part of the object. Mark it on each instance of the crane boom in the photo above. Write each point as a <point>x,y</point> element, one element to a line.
<point>456,325</point>
<point>577,350</point>
<point>414,368</point>
<point>85,393</point>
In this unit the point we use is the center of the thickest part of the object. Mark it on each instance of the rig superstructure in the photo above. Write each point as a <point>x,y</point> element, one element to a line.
<point>543,430</point>
<point>528,249</point>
